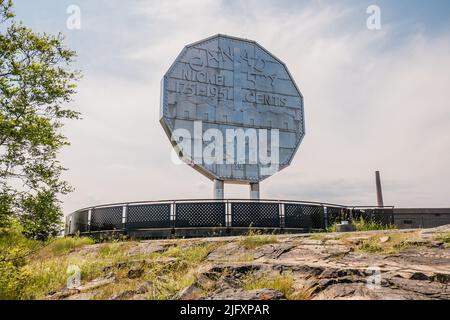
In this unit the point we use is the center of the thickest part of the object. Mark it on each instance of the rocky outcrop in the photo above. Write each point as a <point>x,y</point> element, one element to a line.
<point>239,294</point>
<point>82,292</point>
<point>331,266</point>
<point>412,264</point>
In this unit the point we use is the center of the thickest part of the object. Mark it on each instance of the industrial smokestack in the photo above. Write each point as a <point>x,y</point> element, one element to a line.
<point>379,192</point>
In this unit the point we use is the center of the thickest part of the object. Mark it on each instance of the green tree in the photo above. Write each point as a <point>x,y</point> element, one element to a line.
<point>36,81</point>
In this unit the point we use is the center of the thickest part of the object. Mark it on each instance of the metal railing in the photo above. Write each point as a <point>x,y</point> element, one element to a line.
<point>227,214</point>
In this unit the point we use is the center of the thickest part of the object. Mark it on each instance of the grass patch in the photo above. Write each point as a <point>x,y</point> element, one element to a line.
<point>281,282</point>
<point>300,295</point>
<point>332,228</point>
<point>317,236</point>
<point>46,270</point>
<point>41,278</point>
<point>168,272</point>
<point>255,239</point>
<point>191,254</point>
<point>112,289</point>
<point>169,278</point>
<point>370,246</point>
<point>62,246</point>
<point>364,225</point>
<point>444,238</point>
<point>17,277</point>
<point>44,273</point>
<point>30,269</point>
<point>113,249</point>
<point>396,243</point>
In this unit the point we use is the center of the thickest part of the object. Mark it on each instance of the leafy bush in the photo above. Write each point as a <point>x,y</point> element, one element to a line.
<point>29,268</point>
<point>36,83</point>
<point>14,248</point>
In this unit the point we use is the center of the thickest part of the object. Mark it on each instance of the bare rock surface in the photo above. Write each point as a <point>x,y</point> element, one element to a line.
<point>83,292</point>
<point>334,268</point>
<point>239,294</point>
<point>145,248</point>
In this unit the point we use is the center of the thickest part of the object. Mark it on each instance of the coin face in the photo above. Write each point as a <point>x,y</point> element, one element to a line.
<point>232,109</point>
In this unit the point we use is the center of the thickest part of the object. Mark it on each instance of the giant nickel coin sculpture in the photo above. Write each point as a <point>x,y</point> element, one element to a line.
<point>232,111</point>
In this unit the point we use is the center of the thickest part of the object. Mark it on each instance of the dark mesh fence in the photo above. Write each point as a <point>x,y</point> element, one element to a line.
<point>212,214</point>
<point>198,214</point>
<point>255,214</point>
<point>336,215</point>
<point>295,218</point>
<point>109,218</point>
<point>79,221</point>
<point>67,224</point>
<point>303,216</point>
<point>382,216</point>
<point>367,215</point>
<point>148,216</point>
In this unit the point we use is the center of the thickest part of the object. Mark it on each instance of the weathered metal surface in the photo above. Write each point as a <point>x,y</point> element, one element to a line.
<point>232,83</point>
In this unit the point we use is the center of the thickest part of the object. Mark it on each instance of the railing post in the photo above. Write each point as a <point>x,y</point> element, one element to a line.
<point>227,218</point>
<point>89,220</point>
<point>230,213</point>
<point>254,191</point>
<point>281,215</point>
<point>325,217</point>
<point>124,216</point>
<point>174,213</point>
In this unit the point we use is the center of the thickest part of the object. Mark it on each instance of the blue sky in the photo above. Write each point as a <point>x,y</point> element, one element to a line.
<point>374,99</point>
<point>432,15</point>
<point>408,16</point>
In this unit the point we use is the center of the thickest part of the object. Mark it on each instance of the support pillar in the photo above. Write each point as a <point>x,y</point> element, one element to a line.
<point>379,192</point>
<point>254,191</point>
<point>218,189</point>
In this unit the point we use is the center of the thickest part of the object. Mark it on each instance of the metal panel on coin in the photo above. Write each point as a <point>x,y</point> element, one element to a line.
<point>231,83</point>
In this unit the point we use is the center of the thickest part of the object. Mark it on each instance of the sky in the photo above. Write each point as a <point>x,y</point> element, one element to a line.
<point>374,99</point>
